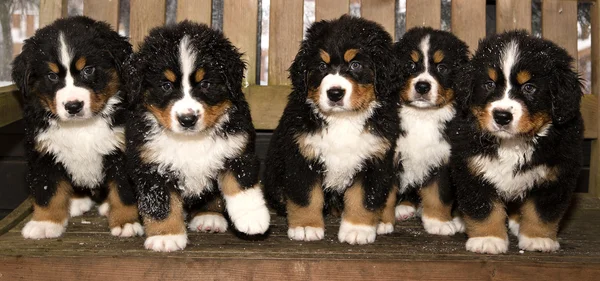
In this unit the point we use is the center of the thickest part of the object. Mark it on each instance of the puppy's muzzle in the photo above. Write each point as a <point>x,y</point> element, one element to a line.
<point>336,94</point>
<point>187,120</point>
<point>74,107</point>
<point>502,117</point>
<point>422,87</point>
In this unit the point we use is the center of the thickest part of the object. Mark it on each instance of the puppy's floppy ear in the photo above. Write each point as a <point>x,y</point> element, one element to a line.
<point>464,87</point>
<point>566,94</point>
<point>132,80</point>
<point>20,74</point>
<point>298,71</point>
<point>234,70</point>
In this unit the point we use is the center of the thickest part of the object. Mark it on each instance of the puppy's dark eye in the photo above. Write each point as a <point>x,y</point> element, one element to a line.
<point>167,86</point>
<point>411,66</point>
<point>354,65</point>
<point>88,71</point>
<point>489,86</point>
<point>528,88</point>
<point>322,66</point>
<point>442,68</point>
<point>204,85</point>
<point>53,77</point>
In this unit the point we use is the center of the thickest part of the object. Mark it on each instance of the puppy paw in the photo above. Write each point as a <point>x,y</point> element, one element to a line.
<point>79,206</point>
<point>306,233</point>
<point>248,211</point>
<point>385,228</point>
<point>103,209</point>
<point>356,233</point>
<point>459,224</point>
<point>514,226</point>
<point>43,229</point>
<point>435,226</point>
<point>487,245</point>
<point>208,223</point>
<point>128,230</point>
<point>404,212</point>
<point>538,244</point>
<point>166,243</point>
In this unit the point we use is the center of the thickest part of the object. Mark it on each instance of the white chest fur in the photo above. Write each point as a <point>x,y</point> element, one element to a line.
<point>342,147</point>
<point>500,171</point>
<point>195,160</point>
<point>423,146</point>
<point>81,146</point>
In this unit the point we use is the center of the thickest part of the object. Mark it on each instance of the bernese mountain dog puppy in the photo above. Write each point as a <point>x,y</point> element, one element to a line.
<point>431,60</point>
<point>70,75</point>
<point>190,143</point>
<point>519,142</point>
<point>335,141</point>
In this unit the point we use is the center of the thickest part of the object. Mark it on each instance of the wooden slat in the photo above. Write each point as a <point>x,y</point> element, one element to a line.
<point>267,104</point>
<point>144,15</point>
<point>513,14</point>
<point>381,11</point>
<point>423,13</point>
<point>104,10</point>
<point>10,105</point>
<point>468,21</point>
<point>51,10</point>
<point>285,34</point>
<point>330,9</point>
<point>589,110</point>
<point>595,157</point>
<point>240,20</point>
<point>196,10</point>
<point>16,216</point>
<point>559,24</point>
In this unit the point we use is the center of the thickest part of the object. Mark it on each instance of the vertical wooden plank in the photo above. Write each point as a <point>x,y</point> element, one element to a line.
<point>330,9</point>
<point>240,19</point>
<point>144,15</point>
<point>285,34</point>
<point>594,187</point>
<point>104,10</point>
<point>423,13</point>
<point>50,10</point>
<point>196,10</point>
<point>513,14</point>
<point>559,24</point>
<point>381,11</point>
<point>468,21</point>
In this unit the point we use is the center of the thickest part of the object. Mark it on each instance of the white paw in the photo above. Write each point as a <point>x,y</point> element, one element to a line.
<point>435,226</point>
<point>248,211</point>
<point>43,229</point>
<point>487,245</point>
<point>166,243</point>
<point>208,223</point>
<point>538,244</point>
<point>385,228</point>
<point>80,205</point>
<point>356,233</point>
<point>307,233</point>
<point>128,230</point>
<point>103,209</point>
<point>513,226</point>
<point>459,224</point>
<point>404,212</point>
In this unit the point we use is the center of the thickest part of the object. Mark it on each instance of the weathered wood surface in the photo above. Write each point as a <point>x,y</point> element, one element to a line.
<point>285,35</point>
<point>195,10</point>
<point>381,11</point>
<point>104,10</point>
<point>468,21</point>
<point>423,13</point>
<point>87,251</point>
<point>513,14</point>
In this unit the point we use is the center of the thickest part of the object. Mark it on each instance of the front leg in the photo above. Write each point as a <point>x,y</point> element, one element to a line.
<point>122,213</point>
<point>486,227</point>
<point>437,199</point>
<point>305,221</point>
<point>166,234</point>
<point>359,224</point>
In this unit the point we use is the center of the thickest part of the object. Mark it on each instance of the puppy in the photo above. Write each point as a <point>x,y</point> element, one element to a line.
<point>191,140</point>
<point>519,142</point>
<point>70,76</point>
<point>431,60</point>
<point>337,134</point>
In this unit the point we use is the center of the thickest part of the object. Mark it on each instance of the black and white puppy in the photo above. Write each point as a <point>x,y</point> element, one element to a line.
<point>519,142</point>
<point>191,140</point>
<point>70,76</point>
<point>431,59</point>
<point>337,134</point>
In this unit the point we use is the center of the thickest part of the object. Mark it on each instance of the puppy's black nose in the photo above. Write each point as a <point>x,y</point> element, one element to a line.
<point>422,87</point>
<point>187,120</point>
<point>502,117</point>
<point>335,94</point>
<point>74,107</point>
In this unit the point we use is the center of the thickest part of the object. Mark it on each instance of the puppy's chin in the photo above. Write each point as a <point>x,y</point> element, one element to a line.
<point>421,103</point>
<point>79,117</point>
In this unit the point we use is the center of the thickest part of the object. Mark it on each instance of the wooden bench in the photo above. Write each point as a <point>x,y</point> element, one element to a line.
<point>88,252</point>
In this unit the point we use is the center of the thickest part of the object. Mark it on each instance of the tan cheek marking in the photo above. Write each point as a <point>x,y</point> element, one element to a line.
<point>445,96</point>
<point>350,54</point>
<point>405,91</point>
<point>415,56</point>
<point>533,226</point>
<point>80,63</point>
<point>170,75</point>
<point>310,215</point>
<point>493,74</point>
<point>57,210</point>
<point>213,113</point>
<point>433,207</point>
<point>173,224</point>
<point>523,76</point>
<point>53,67</point>
<point>362,96</point>
<point>163,116</point>
<point>354,207</point>
<point>493,225</point>
<point>324,56</point>
<point>120,214</point>
<point>532,124</point>
<point>483,116</point>
<point>314,95</point>
<point>199,75</point>
<point>100,98</point>
<point>438,56</point>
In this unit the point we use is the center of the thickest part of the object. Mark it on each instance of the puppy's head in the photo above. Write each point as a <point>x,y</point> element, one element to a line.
<point>71,69</point>
<point>520,85</point>
<point>344,65</point>
<point>431,60</point>
<point>187,76</point>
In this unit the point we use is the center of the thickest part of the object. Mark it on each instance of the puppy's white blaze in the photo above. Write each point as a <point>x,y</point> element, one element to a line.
<point>424,47</point>
<point>335,81</point>
<point>248,211</point>
<point>187,56</point>
<point>509,57</point>
<point>70,92</point>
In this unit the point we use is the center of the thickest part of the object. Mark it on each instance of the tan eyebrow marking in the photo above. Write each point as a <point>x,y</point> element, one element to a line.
<point>199,75</point>
<point>80,64</point>
<point>53,67</point>
<point>414,55</point>
<point>523,76</point>
<point>170,75</point>
<point>324,56</point>
<point>438,56</point>
<point>493,74</point>
<point>350,54</point>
